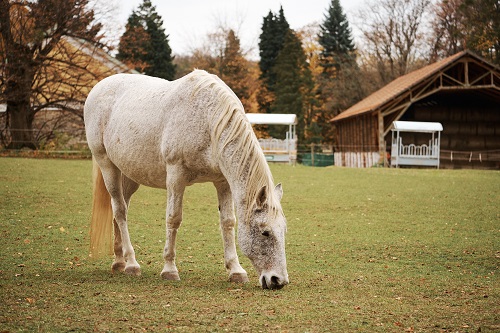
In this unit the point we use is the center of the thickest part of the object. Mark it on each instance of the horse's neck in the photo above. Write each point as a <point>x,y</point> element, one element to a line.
<point>248,181</point>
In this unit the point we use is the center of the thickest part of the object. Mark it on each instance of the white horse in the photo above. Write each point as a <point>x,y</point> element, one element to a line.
<point>145,130</point>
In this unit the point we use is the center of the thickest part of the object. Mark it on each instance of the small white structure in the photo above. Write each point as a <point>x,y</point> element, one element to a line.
<point>277,150</point>
<point>412,154</point>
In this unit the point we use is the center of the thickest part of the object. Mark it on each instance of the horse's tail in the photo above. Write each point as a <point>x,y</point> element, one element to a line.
<point>102,216</point>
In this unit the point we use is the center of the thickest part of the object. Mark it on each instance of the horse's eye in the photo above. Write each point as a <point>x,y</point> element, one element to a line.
<point>265,233</point>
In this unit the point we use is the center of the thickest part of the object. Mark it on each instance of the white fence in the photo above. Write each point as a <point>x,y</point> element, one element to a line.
<point>356,159</point>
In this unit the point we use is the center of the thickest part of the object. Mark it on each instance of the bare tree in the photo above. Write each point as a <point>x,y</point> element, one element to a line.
<point>40,67</point>
<point>466,24</point>
<point>393,35</point>
<point>448,30</point>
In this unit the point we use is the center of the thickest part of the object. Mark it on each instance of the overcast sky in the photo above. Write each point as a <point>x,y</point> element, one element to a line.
<point>187,22</point>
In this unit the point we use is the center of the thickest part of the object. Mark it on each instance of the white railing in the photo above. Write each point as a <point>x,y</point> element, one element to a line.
<point>412,154</point>
<point>277,145</point>
<point>423,150</point>
<point>277,150</point>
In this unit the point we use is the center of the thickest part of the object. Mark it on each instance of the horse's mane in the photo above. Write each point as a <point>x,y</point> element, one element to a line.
<point>230,127</point>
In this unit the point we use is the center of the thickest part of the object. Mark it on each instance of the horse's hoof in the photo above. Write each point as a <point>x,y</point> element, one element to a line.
<point>239,278</point>
<point>133,270</point>
<point>171,276</point>
<point>118,267</point>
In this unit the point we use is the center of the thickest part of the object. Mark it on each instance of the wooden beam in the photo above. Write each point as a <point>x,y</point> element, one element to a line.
<point>453,79</point>
<point>381,142</point>
<point>395,109</point>
<point>484,86</point>
<point>401,113</point>
<point>466,69</point>
<point>489,73</point>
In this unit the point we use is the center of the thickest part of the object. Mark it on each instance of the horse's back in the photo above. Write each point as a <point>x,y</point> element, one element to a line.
<point>142,124</point>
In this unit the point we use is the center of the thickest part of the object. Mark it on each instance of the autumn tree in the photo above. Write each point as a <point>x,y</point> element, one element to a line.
<point>144,44</point>
<point>312,113</point>
<point>221,54</point>
<point>30,36</point>
<point>235,69</point>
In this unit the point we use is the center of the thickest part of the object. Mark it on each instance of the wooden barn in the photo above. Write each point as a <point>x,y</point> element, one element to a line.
<point>462,92</point>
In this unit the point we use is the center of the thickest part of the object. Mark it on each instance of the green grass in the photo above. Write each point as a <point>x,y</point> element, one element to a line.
<point>368,250</point>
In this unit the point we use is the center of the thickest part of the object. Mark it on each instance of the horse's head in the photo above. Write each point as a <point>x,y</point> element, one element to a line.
<point>262,239</point>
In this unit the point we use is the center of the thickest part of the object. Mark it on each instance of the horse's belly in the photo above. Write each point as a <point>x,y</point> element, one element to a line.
<point>141,167</point>
<point>137,155</point>
<point>144,159</point>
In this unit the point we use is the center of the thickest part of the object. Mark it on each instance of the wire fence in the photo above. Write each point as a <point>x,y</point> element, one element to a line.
<point>71,143</point>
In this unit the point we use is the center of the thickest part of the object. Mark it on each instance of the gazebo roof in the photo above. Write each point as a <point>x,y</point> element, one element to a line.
<point>417,126</point>
<point>272,119</point>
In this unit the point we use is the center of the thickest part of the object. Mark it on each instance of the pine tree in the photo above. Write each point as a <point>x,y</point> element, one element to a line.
<point>145,45</point>
<point>336,39</point>
<point>294,84</point>
<point>339,86</point>
<point>274,29</point>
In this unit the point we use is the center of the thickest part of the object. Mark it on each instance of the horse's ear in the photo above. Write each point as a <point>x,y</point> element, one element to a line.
<point>261,198</point>
<point>278,191</point>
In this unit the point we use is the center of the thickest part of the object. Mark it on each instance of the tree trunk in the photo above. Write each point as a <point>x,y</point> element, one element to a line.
<point>20,125</point>
<point>21,72</point>
<point>18,95</point>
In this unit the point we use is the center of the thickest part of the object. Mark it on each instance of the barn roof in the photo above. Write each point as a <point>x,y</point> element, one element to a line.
<point>405,83</point>
<point>106,61</point>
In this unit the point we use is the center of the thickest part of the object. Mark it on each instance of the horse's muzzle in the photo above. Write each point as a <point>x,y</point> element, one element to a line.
<point>272,282</point>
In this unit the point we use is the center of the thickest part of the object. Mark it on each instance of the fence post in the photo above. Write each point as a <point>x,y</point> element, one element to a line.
<point>312,154</point>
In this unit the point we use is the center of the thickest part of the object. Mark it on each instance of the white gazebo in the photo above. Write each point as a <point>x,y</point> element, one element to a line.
<point>413,154</point>
<point>277,150</point>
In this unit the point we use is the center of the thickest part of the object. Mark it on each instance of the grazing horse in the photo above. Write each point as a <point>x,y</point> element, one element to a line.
<point>172,134</point>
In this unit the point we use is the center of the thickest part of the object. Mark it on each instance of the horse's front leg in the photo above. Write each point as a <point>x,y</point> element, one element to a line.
<point>175,193</point>
<point>227,223</point>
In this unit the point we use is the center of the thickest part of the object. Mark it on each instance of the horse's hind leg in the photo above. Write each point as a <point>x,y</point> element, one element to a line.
<point>227,222</point>
<point>114,184</point>
<point>129,188</point>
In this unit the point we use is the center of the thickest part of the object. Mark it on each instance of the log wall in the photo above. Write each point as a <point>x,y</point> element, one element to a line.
<point>471,128</point>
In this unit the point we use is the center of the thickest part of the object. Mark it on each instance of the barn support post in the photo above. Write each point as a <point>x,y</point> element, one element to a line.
<point>381,141</point>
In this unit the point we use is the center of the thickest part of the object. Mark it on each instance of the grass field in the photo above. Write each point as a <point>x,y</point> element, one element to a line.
<point>368,250</point>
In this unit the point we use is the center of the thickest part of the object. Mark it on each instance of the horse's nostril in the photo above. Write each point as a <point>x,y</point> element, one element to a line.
<point>264,283</point>
<point>274,280</point>
<point>272,283</point>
